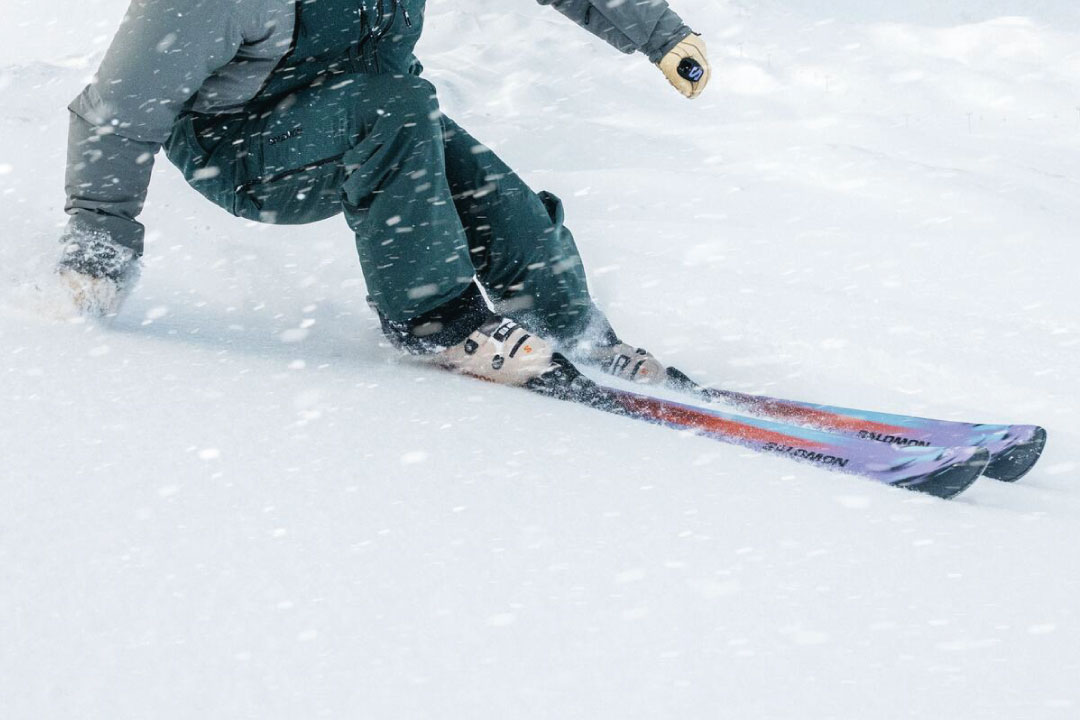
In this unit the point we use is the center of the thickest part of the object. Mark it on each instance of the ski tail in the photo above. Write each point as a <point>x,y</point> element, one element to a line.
<point>943,472</point>
<point>1014,449</point>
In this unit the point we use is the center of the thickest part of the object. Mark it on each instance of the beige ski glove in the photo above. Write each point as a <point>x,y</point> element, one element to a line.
<point>96,274</point>
<point>686,66</point>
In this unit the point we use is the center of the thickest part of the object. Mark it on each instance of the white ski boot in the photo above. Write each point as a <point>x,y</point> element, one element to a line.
<point>625,362</point>
<point>501,351</point>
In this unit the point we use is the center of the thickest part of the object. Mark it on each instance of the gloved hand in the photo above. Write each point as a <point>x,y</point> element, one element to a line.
<point>96,273</point>
<point>686,66</point>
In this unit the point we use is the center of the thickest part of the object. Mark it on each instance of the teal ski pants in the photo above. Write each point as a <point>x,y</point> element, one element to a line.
<point>431,207</point>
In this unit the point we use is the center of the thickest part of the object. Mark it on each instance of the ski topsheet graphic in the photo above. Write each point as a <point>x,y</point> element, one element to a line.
<point>1014,449</point>
<point>940,471</point>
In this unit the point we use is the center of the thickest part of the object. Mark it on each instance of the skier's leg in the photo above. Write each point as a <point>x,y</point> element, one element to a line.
<point>524,255</point>
<point>410,240</point>
<point>373,146</point>
<point>527,260</point>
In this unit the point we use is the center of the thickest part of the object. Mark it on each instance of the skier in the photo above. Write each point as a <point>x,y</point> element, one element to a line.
<point>291,112</point>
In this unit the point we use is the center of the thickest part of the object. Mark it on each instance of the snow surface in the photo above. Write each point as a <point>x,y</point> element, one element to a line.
<point>234,501</point>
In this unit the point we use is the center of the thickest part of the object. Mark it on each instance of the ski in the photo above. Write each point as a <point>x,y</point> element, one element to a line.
<point>941,471</point>
<point>1014,449</point>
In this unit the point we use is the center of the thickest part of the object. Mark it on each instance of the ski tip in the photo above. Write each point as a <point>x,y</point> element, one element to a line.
<point>950,481</point>
<point>1018,460</point>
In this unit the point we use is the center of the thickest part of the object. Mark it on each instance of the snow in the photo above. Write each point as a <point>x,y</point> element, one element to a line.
<point>235,501</point>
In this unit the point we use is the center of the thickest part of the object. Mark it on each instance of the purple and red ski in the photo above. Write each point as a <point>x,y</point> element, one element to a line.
<point>940,471</point>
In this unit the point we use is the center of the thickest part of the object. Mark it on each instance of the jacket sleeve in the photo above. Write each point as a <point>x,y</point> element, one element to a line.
<point>649,26</point>
<point>159,58</point>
